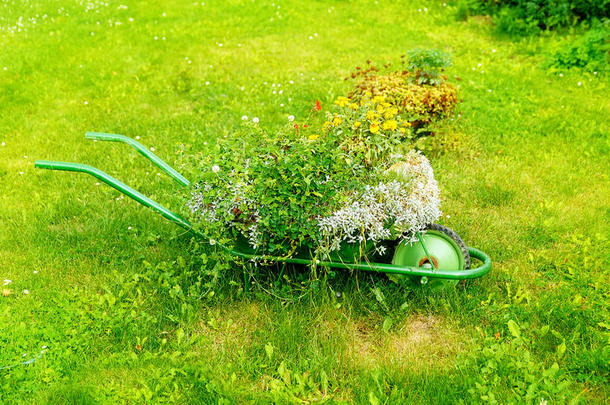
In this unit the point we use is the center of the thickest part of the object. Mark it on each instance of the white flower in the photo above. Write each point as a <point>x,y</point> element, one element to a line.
<point>3,144</point>
<point>212,242</point>
<point>215,168</point>
<point>25,292</point>
<point>580,83</point>
<point>35,271</point>
<point>7,282</point>
<point>291,118</point>
<point>244,118</point>
<point>409,204</point>
<point>255,120</point>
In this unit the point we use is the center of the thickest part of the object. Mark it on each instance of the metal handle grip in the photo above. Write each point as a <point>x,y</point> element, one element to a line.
<point>116,184</point>
<point>173,173</point>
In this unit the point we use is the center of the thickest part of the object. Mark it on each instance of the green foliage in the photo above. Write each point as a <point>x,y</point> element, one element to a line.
<point>271,191</point>
<point>509,362</point>
<point>527,17</point>
<point>589,52</point>
<point>427,65</point>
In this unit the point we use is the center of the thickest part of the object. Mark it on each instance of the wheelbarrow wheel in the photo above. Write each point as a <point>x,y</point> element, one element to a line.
<point>447,251</point>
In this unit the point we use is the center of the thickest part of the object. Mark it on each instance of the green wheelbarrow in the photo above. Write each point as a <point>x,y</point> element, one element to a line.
<point>438,259</point>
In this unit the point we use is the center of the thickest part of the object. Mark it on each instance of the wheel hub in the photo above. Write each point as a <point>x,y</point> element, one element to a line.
<point>444,252</point>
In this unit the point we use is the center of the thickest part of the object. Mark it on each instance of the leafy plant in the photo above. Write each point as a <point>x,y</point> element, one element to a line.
<point>526,17</point>
<point>427,65</point>
<point>590,52</point>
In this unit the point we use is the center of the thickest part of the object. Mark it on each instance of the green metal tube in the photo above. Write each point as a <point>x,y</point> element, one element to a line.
<point>116,184</point>
<point>389,268</point>
<point>173,173</point>
<point>423,244</point>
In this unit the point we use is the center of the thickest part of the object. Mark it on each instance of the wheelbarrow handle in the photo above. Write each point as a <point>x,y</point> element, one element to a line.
<point>173,173</point>
<point>118,185</point>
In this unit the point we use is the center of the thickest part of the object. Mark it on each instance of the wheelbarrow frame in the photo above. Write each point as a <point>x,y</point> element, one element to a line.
<point>423,273</point>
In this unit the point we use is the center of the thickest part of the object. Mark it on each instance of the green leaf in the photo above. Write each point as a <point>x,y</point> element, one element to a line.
<point>561,349</point>
<point>387,324</point>
<point>324,381</point>
<point>269,350</point>
<point>379,295</point>
<point>514,328</point>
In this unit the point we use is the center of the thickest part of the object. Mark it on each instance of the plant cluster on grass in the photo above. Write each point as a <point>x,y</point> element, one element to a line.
<point>420,91</point>
<point>527,17</point>
<point>589,52</point>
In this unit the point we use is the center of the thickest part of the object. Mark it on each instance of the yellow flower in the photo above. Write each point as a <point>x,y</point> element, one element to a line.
<point>386,105</point>
<point>337,121</point>
<point>357,124</point>
<point>342,101</point>
<point>402,130</point>
<point>313,137</point>
<point>325,126</point>
<point>353,106</point>
<point>380,109</point>
<point>390,125</point>
<point>379,99</point>
<point>370,115</point>
<point>374,128</point>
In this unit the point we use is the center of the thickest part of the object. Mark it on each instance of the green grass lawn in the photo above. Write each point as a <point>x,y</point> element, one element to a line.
<point>114,301</point>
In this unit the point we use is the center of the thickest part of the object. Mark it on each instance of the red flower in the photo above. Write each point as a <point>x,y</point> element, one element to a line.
<point>318,106</point>
<point>305,126</point>
<point>296,126</point>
